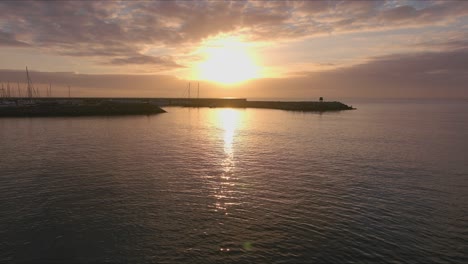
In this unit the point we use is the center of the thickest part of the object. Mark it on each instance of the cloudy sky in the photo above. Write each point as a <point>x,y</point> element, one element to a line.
<point>253,49</point>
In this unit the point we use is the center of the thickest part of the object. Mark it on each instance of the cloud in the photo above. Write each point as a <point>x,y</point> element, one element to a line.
<point>9,40</point>
<point>414,75</point>
<point>425,74</point>
<point>440,12</point>
<point>100,85</point>
<point>447,41</point>
<point>411,75</point>
<point>113,30</point>
<point>144,59</point>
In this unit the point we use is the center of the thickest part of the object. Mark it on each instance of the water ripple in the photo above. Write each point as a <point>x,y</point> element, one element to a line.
<point>234,186</point>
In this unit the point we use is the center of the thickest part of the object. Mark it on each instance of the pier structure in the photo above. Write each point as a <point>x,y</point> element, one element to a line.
<point>196,102</point>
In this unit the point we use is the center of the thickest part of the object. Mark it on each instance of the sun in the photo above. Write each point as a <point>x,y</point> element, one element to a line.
<point>227,61</point>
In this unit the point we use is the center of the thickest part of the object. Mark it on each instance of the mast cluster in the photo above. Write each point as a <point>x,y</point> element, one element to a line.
<point>189,90</point>
<point>30,91</point>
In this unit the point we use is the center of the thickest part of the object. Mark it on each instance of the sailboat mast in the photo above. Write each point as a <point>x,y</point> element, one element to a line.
<point>8,90</point>
<point>30,88</point>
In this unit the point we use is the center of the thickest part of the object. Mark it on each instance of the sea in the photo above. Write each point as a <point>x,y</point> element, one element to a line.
<point>385,183</point>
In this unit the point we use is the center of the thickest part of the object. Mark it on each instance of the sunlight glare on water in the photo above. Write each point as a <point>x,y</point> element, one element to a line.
<point>229,121</point>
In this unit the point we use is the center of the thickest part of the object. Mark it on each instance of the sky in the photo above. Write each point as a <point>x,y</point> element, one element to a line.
<point>252,49</point>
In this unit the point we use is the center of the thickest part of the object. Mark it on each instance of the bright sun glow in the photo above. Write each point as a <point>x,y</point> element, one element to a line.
<point>227,61</point>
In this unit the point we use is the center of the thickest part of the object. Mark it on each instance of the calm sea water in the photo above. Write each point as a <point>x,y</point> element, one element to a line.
<point>386,183</point>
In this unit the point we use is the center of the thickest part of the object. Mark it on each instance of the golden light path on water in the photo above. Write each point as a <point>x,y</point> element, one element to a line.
<point>229,120</point>
<point>227,190</point>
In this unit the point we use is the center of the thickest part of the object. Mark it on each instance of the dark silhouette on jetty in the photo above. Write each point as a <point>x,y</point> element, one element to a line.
<point>54,108</point>
<point>306,106</point>
<point>42,106</point>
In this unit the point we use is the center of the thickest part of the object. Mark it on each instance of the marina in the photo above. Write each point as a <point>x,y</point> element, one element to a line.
<point>33,104</point>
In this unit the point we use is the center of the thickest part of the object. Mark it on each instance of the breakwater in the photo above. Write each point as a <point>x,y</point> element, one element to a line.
<point>306,106</point>
<point>45,109</point>
<point>134,106</point>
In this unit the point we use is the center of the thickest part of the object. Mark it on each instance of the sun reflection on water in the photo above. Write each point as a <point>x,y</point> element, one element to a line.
<point>229,121</point>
